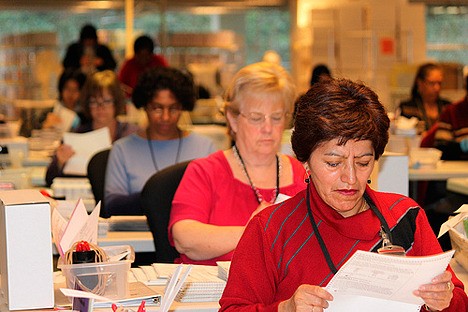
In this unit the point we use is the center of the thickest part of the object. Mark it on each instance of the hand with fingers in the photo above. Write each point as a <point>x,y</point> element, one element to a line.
<point>307,298</point>
<point>438,294</point>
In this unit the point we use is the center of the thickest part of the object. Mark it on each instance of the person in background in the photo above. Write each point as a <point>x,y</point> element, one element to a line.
<point>164,93</point>
<point>88,54</point>
<point>219,194</point>
<point>290,251</point>
<point>143,59</point>
<point>64,116</point>
<point>102,100</point>
<point>319,72</point>
<point>425,103</point>
<point>451,136</point>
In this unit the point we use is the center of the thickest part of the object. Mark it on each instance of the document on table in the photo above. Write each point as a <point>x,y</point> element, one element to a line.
<point>85,146</point>
<point>372,282</point>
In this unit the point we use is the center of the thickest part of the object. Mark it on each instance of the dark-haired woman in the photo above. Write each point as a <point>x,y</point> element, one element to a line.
<point>164,93</point>
<point>290,252</point>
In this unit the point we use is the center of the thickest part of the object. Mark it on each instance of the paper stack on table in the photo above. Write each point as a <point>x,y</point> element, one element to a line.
<point>202,285</point>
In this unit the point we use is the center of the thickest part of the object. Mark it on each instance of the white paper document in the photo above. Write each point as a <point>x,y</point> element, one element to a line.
<point>85,146</point>
<point>372,282</point>
<point>80,226</point>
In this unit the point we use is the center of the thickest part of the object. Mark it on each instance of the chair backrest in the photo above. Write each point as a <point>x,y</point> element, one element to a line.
<point>156,201</point>
<point>97,175</point>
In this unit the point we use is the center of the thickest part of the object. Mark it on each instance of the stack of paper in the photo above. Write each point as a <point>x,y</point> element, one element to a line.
<point>223,269</point>
<point>201,285</point>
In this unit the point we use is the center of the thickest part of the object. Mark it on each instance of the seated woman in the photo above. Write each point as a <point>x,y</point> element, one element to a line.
<point>425,103</point>
<point>164,93</point>
<point>219,194</point>
<point>340,131</point>
<point>64,117</point>
<point>102,100</point>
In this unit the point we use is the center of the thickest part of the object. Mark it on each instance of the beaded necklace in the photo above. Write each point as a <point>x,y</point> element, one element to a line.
<point>150,145</point>
<point>254,188</point>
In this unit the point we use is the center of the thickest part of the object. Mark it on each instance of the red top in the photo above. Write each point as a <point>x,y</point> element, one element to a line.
<point>131,70</point>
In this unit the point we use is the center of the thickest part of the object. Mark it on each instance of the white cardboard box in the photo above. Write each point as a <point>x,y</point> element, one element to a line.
<point>25,250</point>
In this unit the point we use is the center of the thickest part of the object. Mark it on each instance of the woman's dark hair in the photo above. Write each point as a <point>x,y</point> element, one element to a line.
<point>164,78</point>
<point>143,43</point>
<point>70,74</point>
<point>339,109</point>
<point>88,31</point>
<point>421,74</point>
<point>319,70</point>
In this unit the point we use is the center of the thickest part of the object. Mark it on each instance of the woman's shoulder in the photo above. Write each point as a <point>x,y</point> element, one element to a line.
<point>213,164</point>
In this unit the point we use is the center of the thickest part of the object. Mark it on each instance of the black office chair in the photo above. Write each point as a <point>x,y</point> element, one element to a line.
<point>97,176</point>
<point>156,201</point>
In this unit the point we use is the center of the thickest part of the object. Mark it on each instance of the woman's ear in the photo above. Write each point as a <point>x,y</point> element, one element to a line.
<point>232,119</point>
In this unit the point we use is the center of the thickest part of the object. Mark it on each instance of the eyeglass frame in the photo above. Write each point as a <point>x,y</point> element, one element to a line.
<point>94,103</point>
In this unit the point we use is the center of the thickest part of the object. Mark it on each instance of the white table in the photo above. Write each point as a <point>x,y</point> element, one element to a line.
<point>443,171</point>
<point>140,241</point>
<point>458,185</point>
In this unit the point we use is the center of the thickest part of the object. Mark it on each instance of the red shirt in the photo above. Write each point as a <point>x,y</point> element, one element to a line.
<point>131,70</point>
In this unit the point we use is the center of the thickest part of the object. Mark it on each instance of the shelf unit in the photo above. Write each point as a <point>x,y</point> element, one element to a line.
<point>29,68</point>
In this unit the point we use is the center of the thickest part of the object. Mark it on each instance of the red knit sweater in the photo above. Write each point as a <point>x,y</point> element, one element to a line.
<point>278,251</point>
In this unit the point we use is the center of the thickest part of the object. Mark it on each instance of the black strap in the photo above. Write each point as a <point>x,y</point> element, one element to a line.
<point>379,215</point>
<point>325,252</point>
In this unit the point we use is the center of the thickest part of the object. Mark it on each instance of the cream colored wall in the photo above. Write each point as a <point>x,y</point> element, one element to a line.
<point>359,27</point>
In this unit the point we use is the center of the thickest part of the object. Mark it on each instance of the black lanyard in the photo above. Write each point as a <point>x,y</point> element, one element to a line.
<point>331,265</point>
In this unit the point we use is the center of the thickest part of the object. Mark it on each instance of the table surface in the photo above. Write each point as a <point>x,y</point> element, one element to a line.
<point>443,171</point>
<point>140,241</point>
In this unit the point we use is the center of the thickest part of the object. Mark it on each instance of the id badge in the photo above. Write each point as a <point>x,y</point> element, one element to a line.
<point>388,248</point>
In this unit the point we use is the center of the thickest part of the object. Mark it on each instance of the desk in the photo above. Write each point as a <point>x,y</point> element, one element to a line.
<point>140,241</point>
<point>443,171</point>
<point>458,185</point>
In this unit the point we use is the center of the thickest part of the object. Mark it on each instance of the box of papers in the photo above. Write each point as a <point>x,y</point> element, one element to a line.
<point>457,226</point>
<point>459,240</point>
<point>108,278</point>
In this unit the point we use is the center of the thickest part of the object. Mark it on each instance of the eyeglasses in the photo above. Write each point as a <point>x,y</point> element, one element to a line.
<point>255,118</point>
<point>158,110</point>
<point>433,83</point>
<point>94,103</point>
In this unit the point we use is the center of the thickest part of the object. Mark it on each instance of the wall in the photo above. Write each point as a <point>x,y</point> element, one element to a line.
<point>359,39</point>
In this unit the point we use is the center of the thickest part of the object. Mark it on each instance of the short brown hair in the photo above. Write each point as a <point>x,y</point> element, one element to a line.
<point>339,109</point>
<point>94,86</point>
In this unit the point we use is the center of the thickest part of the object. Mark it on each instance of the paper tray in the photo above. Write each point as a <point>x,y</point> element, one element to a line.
<point>460,244</point>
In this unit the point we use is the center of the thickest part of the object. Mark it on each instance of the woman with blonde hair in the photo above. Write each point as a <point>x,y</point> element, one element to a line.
<point>219,194</point>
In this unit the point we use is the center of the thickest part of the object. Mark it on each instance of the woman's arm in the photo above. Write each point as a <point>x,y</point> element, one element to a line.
<point>200,241</point>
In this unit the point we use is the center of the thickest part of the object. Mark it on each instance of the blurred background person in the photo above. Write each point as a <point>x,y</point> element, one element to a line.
<point>451,136</point>
<point>290,252</point>
<point>164,93</point>
<point>143,59</point>
<point>220,193</point>
<point>102,100</point>
<point>425,103</point>
<point>64,116</point>
<point>320,72</point>
<point>88,54</point>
